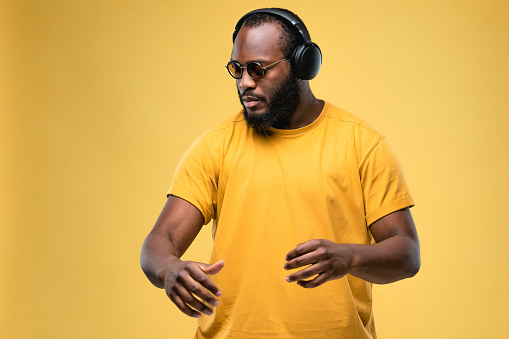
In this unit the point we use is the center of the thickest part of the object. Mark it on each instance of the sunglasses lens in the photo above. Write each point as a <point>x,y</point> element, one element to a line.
<point>234,69</point>
<point>255,70</point>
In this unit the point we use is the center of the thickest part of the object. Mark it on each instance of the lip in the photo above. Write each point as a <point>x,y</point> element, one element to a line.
<point>250,101</point>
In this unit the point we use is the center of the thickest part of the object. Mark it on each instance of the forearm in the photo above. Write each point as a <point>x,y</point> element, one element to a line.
<point>157,253</point>
<point>173,233</point>
<point>390,260</point>
<point>395,255</point>
<point>186,282</point>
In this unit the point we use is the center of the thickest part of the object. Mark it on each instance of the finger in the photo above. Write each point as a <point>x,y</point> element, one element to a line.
<point>187,297</point>
<point>306,273</point>
<point>212,269</point>
<point>202,278</point>
<point>181,305</point>
<point>319,280</point>
<point>200,285</point>
<point>301,249</point>
<point>303,260</point>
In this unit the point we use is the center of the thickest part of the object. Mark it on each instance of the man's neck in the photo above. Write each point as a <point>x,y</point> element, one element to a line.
<point>308,109</point>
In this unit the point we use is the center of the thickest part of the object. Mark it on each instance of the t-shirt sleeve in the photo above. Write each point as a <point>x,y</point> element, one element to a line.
<point>383,183</point>
<point>195,179</point>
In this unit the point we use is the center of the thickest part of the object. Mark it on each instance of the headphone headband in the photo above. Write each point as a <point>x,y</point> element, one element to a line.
<point>291,19</point>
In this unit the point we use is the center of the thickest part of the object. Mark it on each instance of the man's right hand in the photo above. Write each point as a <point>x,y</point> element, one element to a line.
<point>187,284</point>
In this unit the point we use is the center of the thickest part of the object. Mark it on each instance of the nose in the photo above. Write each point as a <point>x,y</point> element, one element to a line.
<point>246,81</point>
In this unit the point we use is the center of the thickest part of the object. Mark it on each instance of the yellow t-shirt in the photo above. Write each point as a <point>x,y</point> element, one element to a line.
<point>266,194</point>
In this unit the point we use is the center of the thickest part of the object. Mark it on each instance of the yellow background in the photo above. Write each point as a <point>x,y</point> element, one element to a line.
<point>99,100</point>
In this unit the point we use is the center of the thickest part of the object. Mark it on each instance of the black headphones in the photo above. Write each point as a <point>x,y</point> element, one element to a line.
<point>307,57</point>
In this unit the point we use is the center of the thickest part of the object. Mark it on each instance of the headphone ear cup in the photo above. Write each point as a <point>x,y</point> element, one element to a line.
<point>307,59</point>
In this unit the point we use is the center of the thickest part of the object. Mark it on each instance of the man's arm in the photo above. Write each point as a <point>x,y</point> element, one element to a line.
<point>395,256</point>
<point>186,282</point>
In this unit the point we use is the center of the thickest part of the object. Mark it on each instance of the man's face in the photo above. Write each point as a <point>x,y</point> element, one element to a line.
<point>273,98</point>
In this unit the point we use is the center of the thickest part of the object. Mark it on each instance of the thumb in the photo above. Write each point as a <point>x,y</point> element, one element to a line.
<point>213,268</point>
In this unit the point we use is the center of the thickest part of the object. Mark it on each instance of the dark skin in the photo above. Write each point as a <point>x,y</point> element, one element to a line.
<point>261,44</point>
<point>175,229</point>
<point>395,255</point>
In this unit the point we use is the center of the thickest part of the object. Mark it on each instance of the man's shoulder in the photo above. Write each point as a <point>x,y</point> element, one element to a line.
<point>338,116</point>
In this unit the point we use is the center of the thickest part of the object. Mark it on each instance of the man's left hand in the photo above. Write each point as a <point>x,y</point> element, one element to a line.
<point>326,260</point>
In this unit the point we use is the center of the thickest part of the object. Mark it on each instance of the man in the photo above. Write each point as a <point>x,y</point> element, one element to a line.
<point>309,205</point>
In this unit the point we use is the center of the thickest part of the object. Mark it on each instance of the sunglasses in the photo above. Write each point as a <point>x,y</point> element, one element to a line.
<point>254,69</point>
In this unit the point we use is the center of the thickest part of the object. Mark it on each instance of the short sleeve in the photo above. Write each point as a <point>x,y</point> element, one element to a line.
<point>384,186</point>
<point>195,179</point>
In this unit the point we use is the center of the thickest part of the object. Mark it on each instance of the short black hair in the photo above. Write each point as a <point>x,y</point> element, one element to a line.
<point>289,40</point>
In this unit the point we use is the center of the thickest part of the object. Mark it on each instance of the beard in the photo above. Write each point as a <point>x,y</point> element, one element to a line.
<point>281,105</point>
